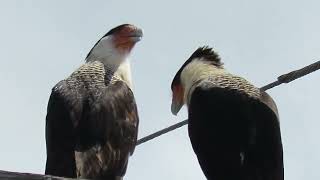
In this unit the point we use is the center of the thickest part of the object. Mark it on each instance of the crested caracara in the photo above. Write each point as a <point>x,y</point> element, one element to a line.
<point>92,119</point>
<point>233,125</point>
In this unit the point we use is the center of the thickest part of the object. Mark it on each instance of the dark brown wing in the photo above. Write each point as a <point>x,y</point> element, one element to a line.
<point>59,137</point>
<point>118,110</point>
<point>266,155</point>
<point>90,132</point>
<point>267,100</point>
<point>107,133</point>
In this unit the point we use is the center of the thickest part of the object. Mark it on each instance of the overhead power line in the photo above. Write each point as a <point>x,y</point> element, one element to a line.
<point>285,78</point>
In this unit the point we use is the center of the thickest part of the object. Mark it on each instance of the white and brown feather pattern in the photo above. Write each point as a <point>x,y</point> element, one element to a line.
<point>233,82</point>
<point>92,75</point>
<point>228,81</point>
<point>201,73</point>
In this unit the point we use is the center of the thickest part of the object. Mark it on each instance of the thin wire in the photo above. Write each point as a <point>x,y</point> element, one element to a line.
<point>285,78</point>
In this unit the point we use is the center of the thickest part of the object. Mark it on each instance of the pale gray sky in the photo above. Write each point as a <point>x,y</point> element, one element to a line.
<point>44,41</point>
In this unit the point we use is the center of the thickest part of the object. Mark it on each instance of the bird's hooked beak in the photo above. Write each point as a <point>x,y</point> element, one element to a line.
<point>136,35</point>
<point>177,99</point>
<point>126,38</point>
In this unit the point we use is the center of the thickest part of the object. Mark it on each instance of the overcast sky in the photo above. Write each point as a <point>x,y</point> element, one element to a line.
<point>44,41</point>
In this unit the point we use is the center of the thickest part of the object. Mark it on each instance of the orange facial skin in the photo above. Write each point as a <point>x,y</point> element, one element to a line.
<point>127,37</point>
<point>178,92</point>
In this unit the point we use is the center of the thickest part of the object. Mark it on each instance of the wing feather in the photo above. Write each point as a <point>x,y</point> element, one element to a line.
<point>110,132</point>
<point>59,137</point>
<point>266,156</point>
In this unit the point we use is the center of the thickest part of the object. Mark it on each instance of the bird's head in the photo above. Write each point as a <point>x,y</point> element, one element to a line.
<point>116,44</point>
<point>200,61</point>
<point>125,36</point>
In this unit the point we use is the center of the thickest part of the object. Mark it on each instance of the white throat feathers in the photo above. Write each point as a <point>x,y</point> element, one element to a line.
<point>115,62</point>
<point>124,72</point>
<point>105,52</point>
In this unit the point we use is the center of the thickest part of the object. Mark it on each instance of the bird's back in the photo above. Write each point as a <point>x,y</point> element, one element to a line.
<point>227,131</point>
<point>98,105</point>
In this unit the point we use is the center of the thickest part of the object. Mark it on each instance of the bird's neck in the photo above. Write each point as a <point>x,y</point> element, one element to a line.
<point>120,71</point>
<point>107,53</point>
<point>194,72</point>
<point>116,62</point>
<point>123,72</point>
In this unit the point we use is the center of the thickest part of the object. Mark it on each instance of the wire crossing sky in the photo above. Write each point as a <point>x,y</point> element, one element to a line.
<point>44,41</point>
<point>285,78</point>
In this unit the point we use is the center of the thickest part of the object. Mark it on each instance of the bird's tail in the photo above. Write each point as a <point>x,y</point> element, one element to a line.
<point>101,161</point>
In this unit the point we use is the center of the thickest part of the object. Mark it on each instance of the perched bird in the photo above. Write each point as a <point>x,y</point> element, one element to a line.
<point>233,125</point>
<point>92,118</point>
